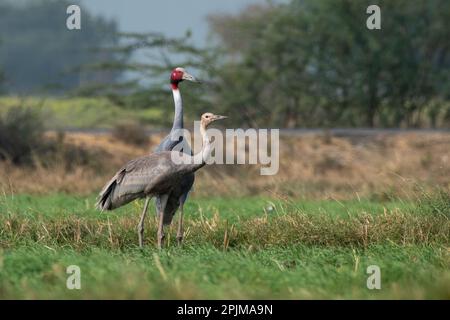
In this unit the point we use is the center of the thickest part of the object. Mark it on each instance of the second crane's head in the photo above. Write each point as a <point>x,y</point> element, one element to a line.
<point>208,118</point>
<point>178,75</point>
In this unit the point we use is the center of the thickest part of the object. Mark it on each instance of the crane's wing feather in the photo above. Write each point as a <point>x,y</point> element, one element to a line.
<point>133,180</point>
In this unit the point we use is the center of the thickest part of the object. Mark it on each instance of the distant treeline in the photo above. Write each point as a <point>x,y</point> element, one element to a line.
<point>304,63</point>
<point>314,63</point>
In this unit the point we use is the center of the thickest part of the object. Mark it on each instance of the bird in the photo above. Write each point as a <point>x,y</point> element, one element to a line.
<point>179,195</point>
<point>155,175</point>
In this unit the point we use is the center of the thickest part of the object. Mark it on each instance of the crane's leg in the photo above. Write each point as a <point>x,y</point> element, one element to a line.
<point>180,224</point>
<point>141,223</point>
<point>161,219</point>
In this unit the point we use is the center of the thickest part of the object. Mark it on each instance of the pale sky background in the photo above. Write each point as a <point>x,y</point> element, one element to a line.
<point>171,17</point>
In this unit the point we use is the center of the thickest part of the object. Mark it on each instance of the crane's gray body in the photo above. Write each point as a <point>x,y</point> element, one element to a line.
<point>180,192</point>
<point>151,175</point>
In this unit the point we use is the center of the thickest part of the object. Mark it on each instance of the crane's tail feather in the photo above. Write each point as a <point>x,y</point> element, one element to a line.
<point>114,195</point>
<point>104,199</point>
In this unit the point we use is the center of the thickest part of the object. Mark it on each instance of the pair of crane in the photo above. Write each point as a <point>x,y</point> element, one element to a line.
<point>156,175</point>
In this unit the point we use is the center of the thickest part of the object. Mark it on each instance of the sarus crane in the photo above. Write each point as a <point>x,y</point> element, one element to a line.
<point>179,195</point>
<point>155,175</point>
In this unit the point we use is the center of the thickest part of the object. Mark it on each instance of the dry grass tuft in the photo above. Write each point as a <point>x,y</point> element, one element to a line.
<point>384,166</point>
<point>131,133</point>
<point>291,226</point>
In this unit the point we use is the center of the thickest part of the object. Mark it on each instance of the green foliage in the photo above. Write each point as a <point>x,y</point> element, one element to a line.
<point>149,87</point>
<point>23,141</point>
<point>21,134</point>
<point>308,63</point>
<point>314,63</point>
<point>300,63</point>
<point>436,203</point>
<point>84,112</point>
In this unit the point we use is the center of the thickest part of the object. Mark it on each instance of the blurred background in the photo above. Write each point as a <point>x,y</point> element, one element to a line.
<point>76,104</point>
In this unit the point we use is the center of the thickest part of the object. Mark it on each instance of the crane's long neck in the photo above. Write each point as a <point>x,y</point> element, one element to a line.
<point>178,116</point>
<point>201,157</point>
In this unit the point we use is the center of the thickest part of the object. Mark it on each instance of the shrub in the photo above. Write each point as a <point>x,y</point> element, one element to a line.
<point>133,133</point>
<point>21,134</point>
<point>23,142</point>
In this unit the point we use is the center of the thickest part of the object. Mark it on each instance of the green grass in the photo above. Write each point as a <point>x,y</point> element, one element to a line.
<point>60,113</point>
<point>234,248</point>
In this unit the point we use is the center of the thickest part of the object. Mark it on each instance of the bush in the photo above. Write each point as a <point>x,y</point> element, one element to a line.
<point>21,135</point>
<point>133,133</point>
<point>23,142</point>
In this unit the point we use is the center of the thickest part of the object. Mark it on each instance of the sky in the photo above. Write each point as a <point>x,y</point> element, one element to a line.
<point>171,17</point>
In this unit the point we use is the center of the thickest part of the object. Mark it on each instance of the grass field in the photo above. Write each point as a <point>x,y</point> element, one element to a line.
<point>60,113</point>
<point>336,206</point>
<point>250,247</point>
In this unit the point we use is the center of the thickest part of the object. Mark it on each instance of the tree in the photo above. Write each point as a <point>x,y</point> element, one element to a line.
<point>303,63</point>
<point>310,63</point>
<point>147,83</point>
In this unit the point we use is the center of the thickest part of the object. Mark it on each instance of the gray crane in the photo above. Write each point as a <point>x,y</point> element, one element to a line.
<point>179,195</point>
<point>155,175</point>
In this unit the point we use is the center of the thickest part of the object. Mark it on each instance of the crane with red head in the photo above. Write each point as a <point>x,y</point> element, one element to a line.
<point>166,204</point>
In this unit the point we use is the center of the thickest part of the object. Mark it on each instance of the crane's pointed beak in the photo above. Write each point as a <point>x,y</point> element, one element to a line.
<point>218,117</point>
<point>189,77</point>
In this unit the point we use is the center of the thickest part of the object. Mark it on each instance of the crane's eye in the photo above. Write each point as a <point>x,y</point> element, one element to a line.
<point>206,117</point>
